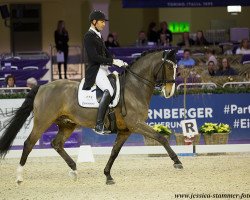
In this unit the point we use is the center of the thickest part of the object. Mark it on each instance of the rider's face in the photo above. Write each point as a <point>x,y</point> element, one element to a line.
<point>100,24</point>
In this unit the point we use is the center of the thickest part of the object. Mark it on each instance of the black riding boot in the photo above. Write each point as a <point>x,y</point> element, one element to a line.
<point>103,106</point>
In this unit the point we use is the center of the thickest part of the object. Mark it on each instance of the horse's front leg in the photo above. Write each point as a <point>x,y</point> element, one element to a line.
<point>144,129</point>
<point>120,140</point>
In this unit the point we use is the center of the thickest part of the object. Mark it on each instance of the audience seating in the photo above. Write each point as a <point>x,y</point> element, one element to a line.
<point>23,67</point>
<point>22,83</point>
<point>246,62</point>
<point>30,68</point>
<point>198,54</point>
<point>245,58</point>
<point>23,74</point>
<point>10,68</point>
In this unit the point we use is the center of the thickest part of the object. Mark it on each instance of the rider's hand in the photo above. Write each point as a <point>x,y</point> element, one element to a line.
<point>119,63</point>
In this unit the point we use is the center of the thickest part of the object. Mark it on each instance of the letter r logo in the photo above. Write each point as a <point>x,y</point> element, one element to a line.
<point>189,127</point>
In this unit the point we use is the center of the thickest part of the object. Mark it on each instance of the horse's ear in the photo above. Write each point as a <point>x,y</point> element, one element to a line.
<point>164,54</point>
<point>169,54</point>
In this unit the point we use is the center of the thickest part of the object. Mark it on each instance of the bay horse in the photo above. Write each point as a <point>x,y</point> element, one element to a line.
<point>56,102</point>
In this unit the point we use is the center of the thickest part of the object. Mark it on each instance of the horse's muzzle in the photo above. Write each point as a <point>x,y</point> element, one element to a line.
<point>168,90</point>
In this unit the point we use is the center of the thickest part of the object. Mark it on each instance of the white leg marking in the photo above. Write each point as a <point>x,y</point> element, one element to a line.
<point>19,173</point>
<point>73,174</point>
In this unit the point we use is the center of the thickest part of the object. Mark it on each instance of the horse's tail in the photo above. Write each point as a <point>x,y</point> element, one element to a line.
<point>16,122</point>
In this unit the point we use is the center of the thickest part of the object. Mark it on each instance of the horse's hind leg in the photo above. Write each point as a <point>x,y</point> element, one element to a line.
<point>36,133</point>
<point>120,140</point>
<point>58,144</point>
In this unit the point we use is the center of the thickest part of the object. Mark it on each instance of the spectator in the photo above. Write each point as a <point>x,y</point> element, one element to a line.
<point>142,39</point>
<point>31,82</point>
<point>61,37</point>
<point>10,81</point>
<point>115,35</point>
<point>200,39</point>
<point>210,57</point>
<point>164,30</point>
<point>186,61</point>
<point>110,41</point>
<point>163,41</point>
<point>227,49</point>
<point>225,69</point>
<point>153,35</point>
<point>211,69</point>
<point>244,47</point>
<point>186,40</point>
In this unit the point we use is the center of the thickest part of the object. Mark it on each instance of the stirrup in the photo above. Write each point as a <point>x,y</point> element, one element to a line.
<point>101,130</point>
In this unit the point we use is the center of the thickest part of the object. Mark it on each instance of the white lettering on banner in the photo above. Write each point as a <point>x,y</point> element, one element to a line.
<point>179,113</point>
<point>239,110</point>
<point>245,123</point>
<point>171,125</point>
<point>241,123</point>
<point>7,110</point>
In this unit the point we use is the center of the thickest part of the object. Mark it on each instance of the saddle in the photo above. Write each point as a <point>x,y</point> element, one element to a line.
<point>91,98</point>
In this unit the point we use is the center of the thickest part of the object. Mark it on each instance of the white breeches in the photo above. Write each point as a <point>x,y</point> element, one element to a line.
<point>102,80</point>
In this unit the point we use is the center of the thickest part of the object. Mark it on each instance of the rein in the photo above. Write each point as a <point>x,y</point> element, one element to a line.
<point>146,81</point>
<point>158,83</point>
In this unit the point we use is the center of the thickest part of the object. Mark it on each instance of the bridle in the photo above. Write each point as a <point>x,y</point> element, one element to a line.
<point>160,82</point>
<point>149,82</point>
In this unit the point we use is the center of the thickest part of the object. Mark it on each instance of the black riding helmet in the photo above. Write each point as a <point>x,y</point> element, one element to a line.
<point>97,15</point>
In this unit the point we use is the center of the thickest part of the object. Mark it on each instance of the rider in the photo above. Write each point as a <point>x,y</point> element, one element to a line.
<point>99,60</point>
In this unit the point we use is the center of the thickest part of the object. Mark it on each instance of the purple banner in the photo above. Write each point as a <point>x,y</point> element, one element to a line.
<point>233,109</point>
<point>75,140</point>
<point>182,3</point>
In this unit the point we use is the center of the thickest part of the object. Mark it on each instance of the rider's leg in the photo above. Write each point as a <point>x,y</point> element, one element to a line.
<point>103,83</point>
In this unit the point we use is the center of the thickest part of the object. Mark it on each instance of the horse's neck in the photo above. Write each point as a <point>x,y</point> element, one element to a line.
<point>145,65</point>
<point>142,68</point>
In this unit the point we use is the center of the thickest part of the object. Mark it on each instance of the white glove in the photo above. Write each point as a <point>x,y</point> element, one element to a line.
<point>119,63</point>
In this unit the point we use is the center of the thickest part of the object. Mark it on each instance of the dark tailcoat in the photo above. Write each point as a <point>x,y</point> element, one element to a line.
<point>97,54</point>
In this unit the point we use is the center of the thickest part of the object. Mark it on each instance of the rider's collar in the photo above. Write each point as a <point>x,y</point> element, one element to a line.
<point>97,33</point>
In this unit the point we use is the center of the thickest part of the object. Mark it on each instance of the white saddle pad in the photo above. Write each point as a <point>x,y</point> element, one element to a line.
<point>87,98</point>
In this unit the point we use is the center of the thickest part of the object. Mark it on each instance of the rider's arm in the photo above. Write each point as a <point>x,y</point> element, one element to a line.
<point>90,47</point>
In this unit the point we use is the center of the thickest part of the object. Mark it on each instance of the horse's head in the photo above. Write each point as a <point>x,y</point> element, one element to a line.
<point>162,66</point>
<point>166,73</point>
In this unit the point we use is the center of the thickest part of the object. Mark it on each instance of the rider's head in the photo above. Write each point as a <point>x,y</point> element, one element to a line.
<point>97,19</point>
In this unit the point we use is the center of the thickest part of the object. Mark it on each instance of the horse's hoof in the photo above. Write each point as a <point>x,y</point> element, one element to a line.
<point>178,166</point>
<point>19,181</point>
<point>110,182</point>
<point>73,174</point>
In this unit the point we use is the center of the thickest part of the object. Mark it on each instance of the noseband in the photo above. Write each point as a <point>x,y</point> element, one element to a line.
<point>164,80</point>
